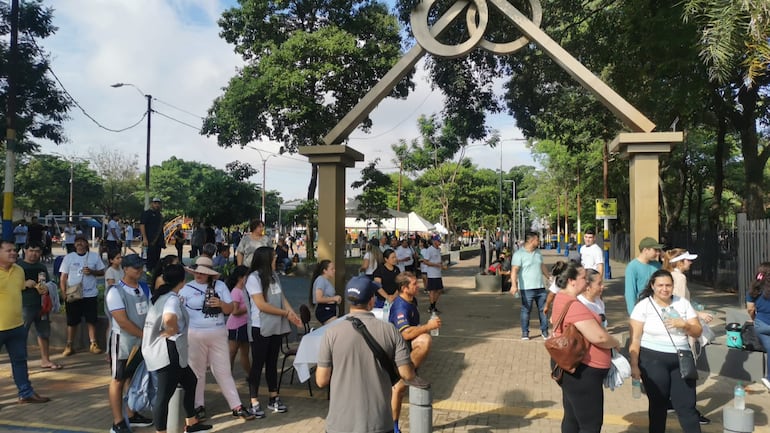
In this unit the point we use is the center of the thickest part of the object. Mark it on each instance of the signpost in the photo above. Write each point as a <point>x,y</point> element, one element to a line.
<point>607,209</point>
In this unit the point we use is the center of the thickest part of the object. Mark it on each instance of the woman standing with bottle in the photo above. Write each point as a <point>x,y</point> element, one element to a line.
<point>657,334</point>
<point>270,314</point>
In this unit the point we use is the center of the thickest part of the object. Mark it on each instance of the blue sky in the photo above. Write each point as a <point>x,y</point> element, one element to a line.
<point>171,49</point>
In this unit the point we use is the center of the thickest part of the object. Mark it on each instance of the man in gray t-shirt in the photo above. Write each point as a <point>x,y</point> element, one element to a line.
<point>360,393</point>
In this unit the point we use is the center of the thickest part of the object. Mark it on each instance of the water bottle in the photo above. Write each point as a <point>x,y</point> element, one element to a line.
<point>433,332</point>
<point>671,313</point>
<point>739,400</point>
<point>386,311</point>
<point>636,389</point>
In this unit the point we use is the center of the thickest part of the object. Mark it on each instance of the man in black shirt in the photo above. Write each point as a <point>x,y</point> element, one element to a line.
<point>35,232</point>
<point>151,226</point>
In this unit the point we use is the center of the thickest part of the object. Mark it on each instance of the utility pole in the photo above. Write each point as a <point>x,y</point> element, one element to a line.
<point>10,136</point>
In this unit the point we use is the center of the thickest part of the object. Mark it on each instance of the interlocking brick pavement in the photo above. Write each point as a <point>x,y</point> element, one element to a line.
<point>484,378</point>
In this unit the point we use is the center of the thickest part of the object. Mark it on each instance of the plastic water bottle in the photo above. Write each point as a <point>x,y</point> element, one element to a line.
<point>671,313</point>
<point>386,311</point>
<point>636,389</point>
<point>433,332</point>
<point>739,400</point>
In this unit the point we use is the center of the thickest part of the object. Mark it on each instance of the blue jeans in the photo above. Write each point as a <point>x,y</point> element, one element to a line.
<point>762,330</point>
<point>538,296</point>
<point>15,342</point>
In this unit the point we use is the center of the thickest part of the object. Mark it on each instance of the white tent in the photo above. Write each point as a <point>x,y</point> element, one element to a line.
<point>411,223</point>
<point>357,224</point>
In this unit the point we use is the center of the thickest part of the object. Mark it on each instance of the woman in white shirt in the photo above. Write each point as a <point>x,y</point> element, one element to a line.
<point>164,348</point>
<point>592,296</point>
<point>207,301</point>
<point>270,314</point>
<point>660,325</point>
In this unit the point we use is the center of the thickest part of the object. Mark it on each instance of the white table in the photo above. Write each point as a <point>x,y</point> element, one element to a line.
<point>307,352</point>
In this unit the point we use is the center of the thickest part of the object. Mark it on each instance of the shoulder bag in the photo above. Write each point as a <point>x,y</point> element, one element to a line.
<point>383,359</point>
<point>568,348</point>
<point>75,292</point>
<point>686,359</point>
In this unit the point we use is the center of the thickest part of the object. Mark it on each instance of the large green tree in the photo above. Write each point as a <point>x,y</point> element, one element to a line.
<point>40,105</point>
<point>42,184</point>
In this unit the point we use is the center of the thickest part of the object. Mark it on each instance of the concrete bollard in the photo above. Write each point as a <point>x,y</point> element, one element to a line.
<point>420,410</point>
<point>737,420</point>
<point>176,415</point>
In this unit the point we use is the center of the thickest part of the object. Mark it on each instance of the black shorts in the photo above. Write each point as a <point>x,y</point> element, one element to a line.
<point>324,312</point>
<point>85,307</point>
<point>435,284</point>
<point>123,369</point>
<point>240,335</point>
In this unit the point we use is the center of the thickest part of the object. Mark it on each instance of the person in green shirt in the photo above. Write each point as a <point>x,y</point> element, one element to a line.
<point>35,279</point>
<point>639,270</point>
<point>528,275</point>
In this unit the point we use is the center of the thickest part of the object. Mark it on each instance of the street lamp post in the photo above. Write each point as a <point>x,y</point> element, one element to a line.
<point>264,168</point>
<point>149,122</point>
<point>513,214</point>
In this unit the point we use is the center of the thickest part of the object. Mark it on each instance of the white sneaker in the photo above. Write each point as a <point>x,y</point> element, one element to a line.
<point>766,382</point>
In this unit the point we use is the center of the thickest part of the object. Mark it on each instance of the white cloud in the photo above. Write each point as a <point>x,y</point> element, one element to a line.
<point>172,50</point>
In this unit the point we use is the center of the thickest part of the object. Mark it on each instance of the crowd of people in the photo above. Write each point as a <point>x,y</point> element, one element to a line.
<point>185,321</point>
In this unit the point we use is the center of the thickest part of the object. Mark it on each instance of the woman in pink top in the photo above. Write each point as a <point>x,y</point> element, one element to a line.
<point>237,323</point>
<point>582,393</point>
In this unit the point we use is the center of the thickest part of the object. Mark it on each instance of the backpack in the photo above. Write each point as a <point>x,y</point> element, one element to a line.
<point>142,390</point>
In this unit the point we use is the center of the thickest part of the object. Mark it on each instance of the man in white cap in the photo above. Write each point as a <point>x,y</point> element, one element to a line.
<point>360,393</point>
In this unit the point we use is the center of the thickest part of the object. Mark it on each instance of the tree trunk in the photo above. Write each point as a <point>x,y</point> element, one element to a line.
<point>310,241</point>
<point>754,159</point>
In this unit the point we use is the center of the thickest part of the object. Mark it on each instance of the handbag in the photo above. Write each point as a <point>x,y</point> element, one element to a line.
<point>734,335</point>
<point>750,341</point>
<point>568,348</point>
<point>383,359</point>
<point>687,368</point>
<point>46,304</point>
<point>74,293</point>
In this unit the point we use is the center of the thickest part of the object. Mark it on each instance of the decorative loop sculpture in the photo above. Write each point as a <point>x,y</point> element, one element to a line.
<point>476,18</point>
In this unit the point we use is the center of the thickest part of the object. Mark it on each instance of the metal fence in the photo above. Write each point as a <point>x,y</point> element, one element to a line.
<point>753,249</point>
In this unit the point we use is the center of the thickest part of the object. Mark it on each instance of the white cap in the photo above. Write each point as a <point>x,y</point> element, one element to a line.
<point>684,256</point>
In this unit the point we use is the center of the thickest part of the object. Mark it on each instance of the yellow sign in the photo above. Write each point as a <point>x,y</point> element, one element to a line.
<point>607,209</point>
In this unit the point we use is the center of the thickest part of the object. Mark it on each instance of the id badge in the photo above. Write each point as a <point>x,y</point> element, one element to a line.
<point>275,289</point>
<point>141,307</point>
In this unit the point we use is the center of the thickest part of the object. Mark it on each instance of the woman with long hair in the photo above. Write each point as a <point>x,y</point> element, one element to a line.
<point>372,259</point>
<point>385,275</point>
<point>660,325</point>
<point>758,306</point>
<point>582,392</point>
<point>238,322</point>
<point>164,348</point>
<point>157,272</point>
<point>250,242</point>
<point>323,294</point>
<point>207,300</point>
<point>270,314</point>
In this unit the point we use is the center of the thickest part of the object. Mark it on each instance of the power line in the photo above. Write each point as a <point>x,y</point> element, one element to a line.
<point>72,98</point>
<point>409,117</point>
<point>177,108</point>
<point>197,128</point>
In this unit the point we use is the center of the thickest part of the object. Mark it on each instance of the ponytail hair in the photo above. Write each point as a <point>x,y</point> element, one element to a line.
<point>172,275</point>
<point>570,272</point>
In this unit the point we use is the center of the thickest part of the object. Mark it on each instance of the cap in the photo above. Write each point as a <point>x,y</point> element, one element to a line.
<point>684,256</point>
<point>649,242</point>
<point>132,261</point>
<point>360,290</point>
<point>436,238</point>
<point>156,199</point>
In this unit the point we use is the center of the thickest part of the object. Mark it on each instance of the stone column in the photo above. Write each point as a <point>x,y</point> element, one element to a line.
<point>643,149</point>
<point>332,161</point>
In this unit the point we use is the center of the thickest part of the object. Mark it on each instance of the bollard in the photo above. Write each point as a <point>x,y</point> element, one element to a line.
<point>420,410</point>
<point>176,415</point>
<point>737,420</point>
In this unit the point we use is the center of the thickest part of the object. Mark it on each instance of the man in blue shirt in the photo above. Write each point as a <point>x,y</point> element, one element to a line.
<point>405,316</point>
<point>639,270</point>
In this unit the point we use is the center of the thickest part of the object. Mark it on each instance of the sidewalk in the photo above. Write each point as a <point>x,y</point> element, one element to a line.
<point>485,379</point>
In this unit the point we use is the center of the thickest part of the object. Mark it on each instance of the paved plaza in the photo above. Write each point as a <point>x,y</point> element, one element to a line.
<point>484,378</point>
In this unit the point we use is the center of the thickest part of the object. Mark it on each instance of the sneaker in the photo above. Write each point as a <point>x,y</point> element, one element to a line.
<point>139,421</point>
<point>95,349</point>
<point>276,405</point>
<point>120,427</point>
<point>200,413</point>
<point>240,412</point>
<point>703,420</point>
<point>525,337</point>
<point>198,427</point>
<point>68,350</point>
<point>256,410</point>
<point>766,382</point>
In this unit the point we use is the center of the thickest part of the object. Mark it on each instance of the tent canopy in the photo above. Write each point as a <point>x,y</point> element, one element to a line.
<point>411,223</point>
